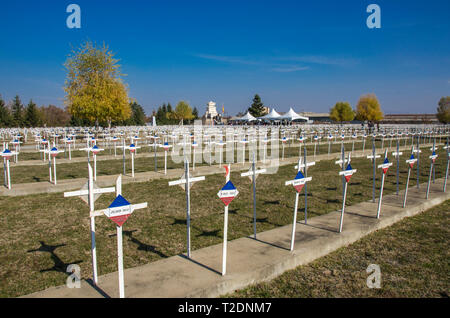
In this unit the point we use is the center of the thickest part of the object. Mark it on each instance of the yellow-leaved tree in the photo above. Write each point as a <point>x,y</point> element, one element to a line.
<point>182,112</point>
<point>342,111</point>
<point>369,109</point>
<point>94,89</point>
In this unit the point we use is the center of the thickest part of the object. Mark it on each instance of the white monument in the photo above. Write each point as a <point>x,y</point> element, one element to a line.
<point>211,110</point>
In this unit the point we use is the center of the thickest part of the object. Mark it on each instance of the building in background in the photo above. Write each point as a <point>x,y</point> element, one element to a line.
<point>410,119</point>
<point>316,117</point>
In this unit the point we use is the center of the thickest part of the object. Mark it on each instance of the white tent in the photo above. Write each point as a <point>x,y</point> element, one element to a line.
<point>291,115</point>
<point>273,115</point>
<point>246,117</point>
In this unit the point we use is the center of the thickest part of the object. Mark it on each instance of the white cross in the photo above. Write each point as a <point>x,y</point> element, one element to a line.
<point>94,151</point>
<point>383,166</point>
<point>89,195</point>
<point>7,154</point>
<point>69,141</point>
<point>296,182</point>
<point>339,162</point>
<point>253,174</point>
<point>345,173</point>
<point>166,147</point>
<point>52,153</point>
<point>118,211</point>
<point>186,184</point>
<point>132,149</point>
<point>371,156</point>
<point>243,142</point>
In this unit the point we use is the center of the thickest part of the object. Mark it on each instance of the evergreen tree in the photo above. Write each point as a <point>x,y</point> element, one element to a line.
<point>5,116</point>
<point>32,118</point>
<point>169,120</point>
<point>17,112</point>
<point>257,107</point>
<point>164,119</point>
<point>161,115</point>
<point>195,113</point>
<point>138,114</point>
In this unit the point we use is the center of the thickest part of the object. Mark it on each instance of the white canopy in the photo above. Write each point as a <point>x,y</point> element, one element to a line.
<point>247,117</point>
<point>273,115</point>
<point>291,115</point>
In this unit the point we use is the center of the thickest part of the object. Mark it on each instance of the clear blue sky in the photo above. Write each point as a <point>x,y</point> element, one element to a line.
<point>302,54</point>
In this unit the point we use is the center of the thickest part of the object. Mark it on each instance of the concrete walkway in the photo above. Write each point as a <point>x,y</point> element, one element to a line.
<point>251,261</point>
<point>106,181</point>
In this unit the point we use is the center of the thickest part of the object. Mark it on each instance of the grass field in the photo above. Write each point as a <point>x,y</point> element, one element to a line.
<point>44,233</point>
<point>413,256</point>
<point>40,173</point>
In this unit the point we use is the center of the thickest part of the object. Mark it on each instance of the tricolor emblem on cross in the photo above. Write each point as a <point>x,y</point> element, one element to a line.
<point>348,172</point>
<point>385,165</point>
<point>411,161</point>
<point>299,181</point>
<point>228,193</point>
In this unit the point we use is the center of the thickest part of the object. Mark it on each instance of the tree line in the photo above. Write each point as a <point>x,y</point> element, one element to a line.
<point>369,109</point>
<point>166,115</point>
<point>16,114</point>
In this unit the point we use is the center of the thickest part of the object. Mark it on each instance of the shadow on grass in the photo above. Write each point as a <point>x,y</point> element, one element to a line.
<point>179,221</point>
<point>275,202</point>
<point>209,233</point>
<point>141,246</point>
<point>59,266</point>
<point>261,220</point>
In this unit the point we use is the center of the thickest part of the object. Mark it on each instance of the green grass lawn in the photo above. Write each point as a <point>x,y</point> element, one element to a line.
<point>413,256</point>
<point>38,222</point>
